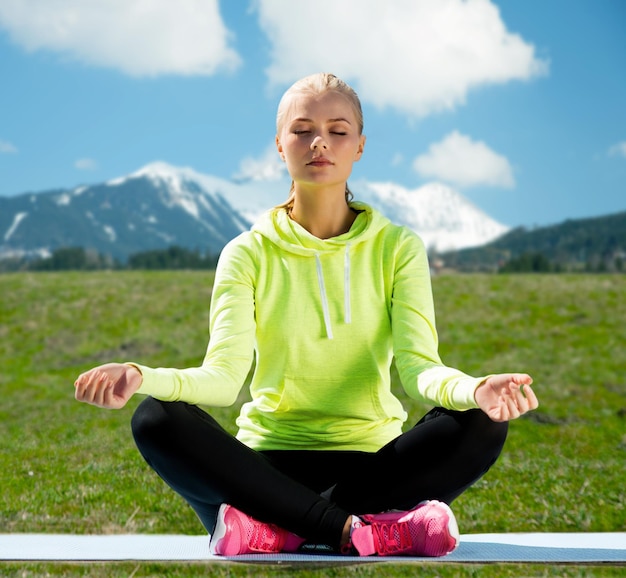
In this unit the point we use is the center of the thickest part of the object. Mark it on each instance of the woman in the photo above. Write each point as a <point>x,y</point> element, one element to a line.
<point>325,292</point>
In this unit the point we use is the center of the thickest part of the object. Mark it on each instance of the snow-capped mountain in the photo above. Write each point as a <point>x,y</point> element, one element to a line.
<point>153,208</point>
<point>444,219</point>
<point>161,205</point>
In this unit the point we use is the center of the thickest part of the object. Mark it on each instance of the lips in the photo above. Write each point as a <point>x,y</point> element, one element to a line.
<point>319,162</point>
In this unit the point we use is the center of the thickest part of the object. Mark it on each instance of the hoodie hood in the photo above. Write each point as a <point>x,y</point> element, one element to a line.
<point>276,226</point>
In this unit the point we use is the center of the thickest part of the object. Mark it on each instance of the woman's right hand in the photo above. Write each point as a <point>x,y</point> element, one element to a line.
<point>110,385</point>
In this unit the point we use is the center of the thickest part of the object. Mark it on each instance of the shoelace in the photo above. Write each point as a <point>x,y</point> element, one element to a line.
<point>391,538</point>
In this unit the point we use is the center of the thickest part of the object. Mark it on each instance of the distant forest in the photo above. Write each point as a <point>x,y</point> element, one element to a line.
<point>79,259</point>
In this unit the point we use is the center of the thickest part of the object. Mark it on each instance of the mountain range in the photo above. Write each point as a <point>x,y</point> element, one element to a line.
<point>591,244</point>
<point>160,205</point>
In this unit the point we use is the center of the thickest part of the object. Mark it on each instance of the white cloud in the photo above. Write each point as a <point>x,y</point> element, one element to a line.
<point>86,165</point>
<point>417,56</point>
<point>267,167</point>
<point>459,160</point>
<point>618,150</point>
<point>7,147</point>
<point>138,37</point>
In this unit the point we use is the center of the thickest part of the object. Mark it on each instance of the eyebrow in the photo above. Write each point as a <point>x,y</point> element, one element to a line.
<point>330,120</point>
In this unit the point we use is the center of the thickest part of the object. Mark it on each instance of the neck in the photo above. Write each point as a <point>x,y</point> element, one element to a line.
<point>324,215</point>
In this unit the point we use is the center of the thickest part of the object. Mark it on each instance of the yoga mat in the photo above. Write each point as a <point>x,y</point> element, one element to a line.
<point>532,547</point>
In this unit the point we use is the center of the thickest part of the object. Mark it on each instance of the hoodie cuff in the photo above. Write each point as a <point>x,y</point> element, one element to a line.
<point>464,392</point>
<point>152,384</point>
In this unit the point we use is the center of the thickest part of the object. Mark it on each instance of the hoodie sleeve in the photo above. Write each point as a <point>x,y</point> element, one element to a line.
<point>230,351</point>
<point>415,340</point>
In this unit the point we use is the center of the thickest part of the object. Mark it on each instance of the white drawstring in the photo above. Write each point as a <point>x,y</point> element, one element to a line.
<point>320,278</point>
<point>347,311</point>
<point>347,315</point>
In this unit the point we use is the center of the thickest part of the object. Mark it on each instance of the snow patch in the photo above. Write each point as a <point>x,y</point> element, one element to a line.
<point>63,199</point>
<point>110,233</point>
<point>17,219</point>
<point>116,182</point>
<point>189,205</point>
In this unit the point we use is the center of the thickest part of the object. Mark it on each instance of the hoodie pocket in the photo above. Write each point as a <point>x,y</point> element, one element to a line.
<point>329,398</point>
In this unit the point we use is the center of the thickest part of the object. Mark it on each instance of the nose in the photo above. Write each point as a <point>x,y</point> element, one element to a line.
<point>318,143</point>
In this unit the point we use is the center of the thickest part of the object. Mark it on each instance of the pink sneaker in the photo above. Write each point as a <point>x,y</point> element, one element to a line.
<point>430,529</point>
<point>237,533</point>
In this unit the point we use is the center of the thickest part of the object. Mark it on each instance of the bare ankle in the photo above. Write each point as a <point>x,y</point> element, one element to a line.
<point>345,535</point>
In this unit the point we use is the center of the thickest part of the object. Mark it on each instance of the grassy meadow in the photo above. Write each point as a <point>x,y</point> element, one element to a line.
<point>71,468</point>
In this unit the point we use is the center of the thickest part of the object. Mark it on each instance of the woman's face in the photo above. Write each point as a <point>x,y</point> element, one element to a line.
<point>319,139</point>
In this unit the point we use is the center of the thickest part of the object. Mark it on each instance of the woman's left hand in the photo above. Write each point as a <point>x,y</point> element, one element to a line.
<point>506,396</point>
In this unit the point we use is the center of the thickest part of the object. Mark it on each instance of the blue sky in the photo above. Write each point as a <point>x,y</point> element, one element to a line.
<point>518,105</point>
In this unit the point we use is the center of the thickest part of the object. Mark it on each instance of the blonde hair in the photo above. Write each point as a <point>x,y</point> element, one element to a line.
<point>316,85</point>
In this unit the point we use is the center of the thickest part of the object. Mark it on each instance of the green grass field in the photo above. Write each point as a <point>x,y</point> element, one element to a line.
<point>69,467</point>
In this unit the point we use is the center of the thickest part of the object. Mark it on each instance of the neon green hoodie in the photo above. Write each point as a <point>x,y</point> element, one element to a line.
<point>325,318</point>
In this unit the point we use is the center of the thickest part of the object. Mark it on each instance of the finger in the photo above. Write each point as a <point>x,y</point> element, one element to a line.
<point>498,413</point>
<point>83,393</point>
<point>78,391</point>
<point>521,379</point>
<point>86,390</point>
<point>95,389</point>
<point>519,396</point>
<point>531,398</point>
<point>103,386</point>
<point>521,403</point>
<point>82,378</point>
<point>89,389</point>
<point>81,385</point>
<point>91,377</point>
<point>512,408</point>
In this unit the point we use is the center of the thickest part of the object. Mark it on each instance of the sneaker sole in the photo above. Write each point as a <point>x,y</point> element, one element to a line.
<point>453,527</point>
<point>220,530</point>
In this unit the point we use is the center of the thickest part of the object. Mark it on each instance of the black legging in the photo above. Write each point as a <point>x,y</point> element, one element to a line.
<point>312,493</point>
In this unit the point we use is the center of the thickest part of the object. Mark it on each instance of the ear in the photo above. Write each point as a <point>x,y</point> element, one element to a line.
<point>359,151</point>
<point>279,147</point>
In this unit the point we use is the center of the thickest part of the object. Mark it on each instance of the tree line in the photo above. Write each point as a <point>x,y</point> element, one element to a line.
<point>534,262</point>
<point>80,259</point>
